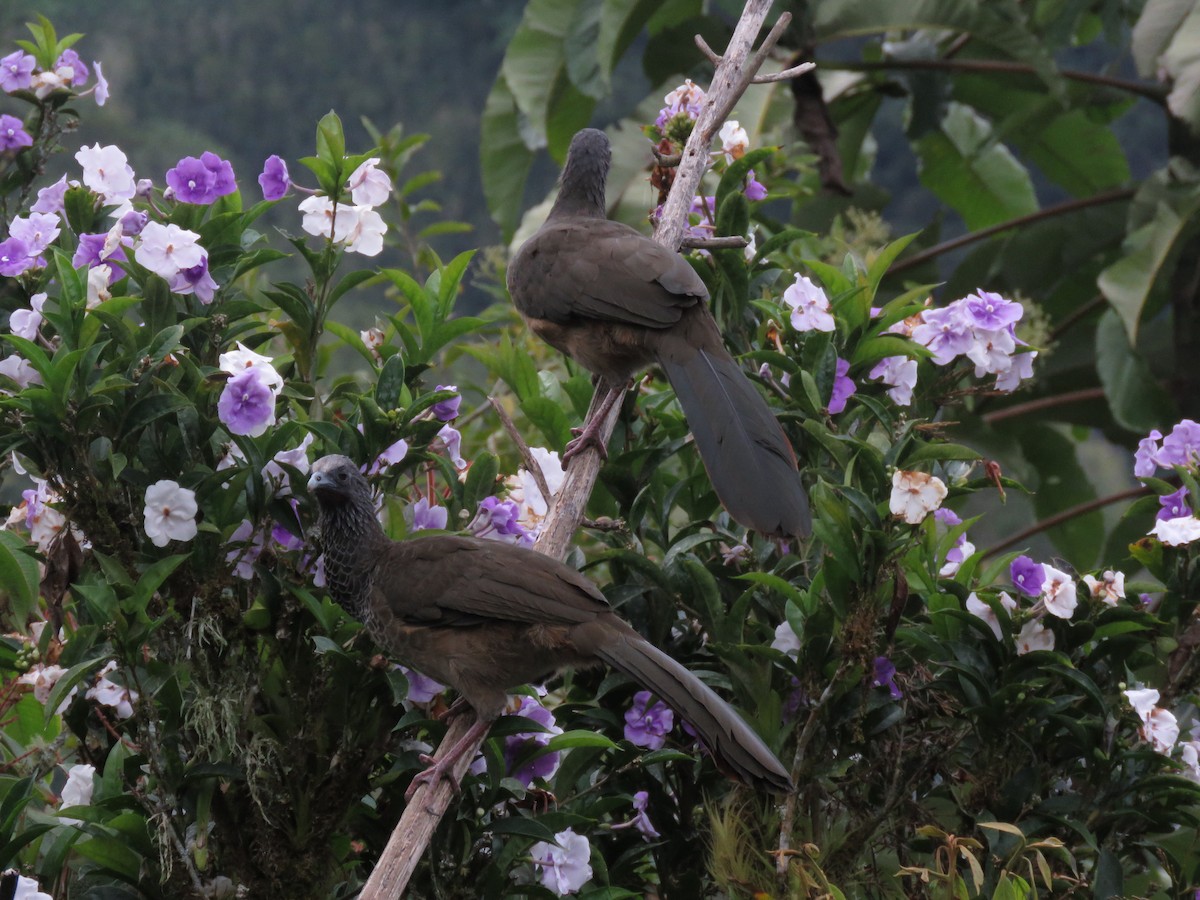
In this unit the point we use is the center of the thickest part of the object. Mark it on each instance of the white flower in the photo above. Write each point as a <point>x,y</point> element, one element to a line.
<point>1020,366</point>
<point>810,306</point>
<point>1058,593</point>
<point>365,234</point>
<point>320,216</point>
<point>78,789</point>
<point>915,495</point>
<point>109,693</point>
<point>786,640</point>
<point>106,171</point>
<point>20,370</point>
<point>167,249</point>
<point>565,863</point>
<point>1161,730</point>
<point>734,140</point>
<point>237,361</point>
<point>97,285</point>
<point>1034,636</point>
<point>42,679</point>
<point>901,373</point>
<point>1189,752</point>
<point>369,186</point>
<point>170,513</point>
<point>1142,700</point>
<point>978,607</point>
<point>1177,532</point>
<point>25,322</point>
<point>534,506</point>
<point>29,889</point>
<point>1110,589</point>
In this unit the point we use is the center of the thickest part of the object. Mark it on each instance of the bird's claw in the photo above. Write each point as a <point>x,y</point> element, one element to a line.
<point>437,770</point>
<point>584,438</point>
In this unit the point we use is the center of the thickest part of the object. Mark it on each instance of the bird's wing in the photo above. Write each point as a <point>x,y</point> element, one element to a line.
<point>599,269</point>
<point>459,581</point>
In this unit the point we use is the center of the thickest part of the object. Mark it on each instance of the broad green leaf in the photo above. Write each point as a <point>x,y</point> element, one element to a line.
<point>1137,400</point>
<point>505,159</point>
<point>19,579</point>
<point>969,170</point>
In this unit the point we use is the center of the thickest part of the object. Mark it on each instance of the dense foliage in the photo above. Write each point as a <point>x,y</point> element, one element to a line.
<point>187,713</point>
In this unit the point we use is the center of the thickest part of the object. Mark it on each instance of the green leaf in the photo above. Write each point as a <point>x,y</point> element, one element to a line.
<point>969,170</point>
<point>1137,400</point>
<point>331,141</point>
<point>390,383</point>
<point>19,579</point>
<point>113,855</point>
<point>579,738</point>
<point>505,159</point>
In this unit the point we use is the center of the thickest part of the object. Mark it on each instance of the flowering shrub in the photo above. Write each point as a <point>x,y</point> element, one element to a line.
<point>187,714</point>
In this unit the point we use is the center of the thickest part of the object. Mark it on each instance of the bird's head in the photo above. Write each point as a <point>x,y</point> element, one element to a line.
<point>336,479</point>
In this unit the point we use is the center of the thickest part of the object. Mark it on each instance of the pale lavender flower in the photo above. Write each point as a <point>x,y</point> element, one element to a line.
<point>167,249</point>
<point>647,724</point>
<point>452,441</point>
<point>641,821</point>
<point>423,516</point>
<point>1182,446</point>
<point>1020,367</point>
<point>685,100</point>
<point>277,472</point>
<point>389,457</point>
<point>19,370</point>
<point>421,688</point>
<point>25,322</point>
<point>369,185</point>
<point>754,189</point>
<point>519,746</point>
<point>1027,576</point>
<point>195,280</point>
<point>1144,459</point>
<point>79,70</point>
<point>50,198</point>
<point>37,231</point>
<point>565,864</point>
<point>101,89</point>
<point>247,542</point>
<point>16,71</point>
<point>284,537</point>
<point>900,373</point>
<point>247,404</point>
<point>992,312</point>
<point>1173,505</point>
<point>13,135</point>
<point>499,520</point>
<point>946,516</point>
<point>446,410</point>
<point>946,332</point>
<point>843,387</point>
<point>810,306</point>
<point>983,610</point>
<point>274,179</point>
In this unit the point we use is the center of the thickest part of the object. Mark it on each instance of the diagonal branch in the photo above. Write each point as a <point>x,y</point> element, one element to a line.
<point>424,811</point>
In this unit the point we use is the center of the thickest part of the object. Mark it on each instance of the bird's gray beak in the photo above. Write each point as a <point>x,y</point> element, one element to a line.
<point>315,481</point>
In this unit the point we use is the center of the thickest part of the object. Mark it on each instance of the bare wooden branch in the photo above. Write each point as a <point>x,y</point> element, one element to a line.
<point>414,831</point>
<point>786,74</point>
<point>531,463</point>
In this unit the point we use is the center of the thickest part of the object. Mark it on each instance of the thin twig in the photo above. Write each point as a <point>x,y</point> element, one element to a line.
<point>531,463</point>
<point>1048,212</point>
<point>1065,516</point>
<point>731,242</point>
<point>1064,399</point>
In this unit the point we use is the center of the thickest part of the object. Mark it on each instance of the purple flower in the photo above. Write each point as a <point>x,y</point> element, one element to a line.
<point>37,231</point>
<point>647,724</point>
<point>947,516</point>
<point>16,71</point>
<point>641,821</point>
<point>497,520</point>
<point>248,544</point>
<point>195,280</point>
<point>843,387</point>
<point>247,405</point>
<point>1144,459</point>
<point>946,332</point>
<point>992,312</point>
<point>518,747</point>
<point>1027,576</point>
<point>133,222</point>
<point>445,410</point>
<point>884,675</point>
<point>14,257</point>
<point>393,454</point>
<point>89,251</point>
<point>424,516</point>
<point>421,688</point>
<point>101,86</point>
<point>1174,505</point>
<point>13,135</point>
<point>274,179</point>
<point>202,180</point>
<point>78,68</point>
<point>686,100</point>
<point>1182,446</point>
<point>900,373</point>
<point>754,190</point>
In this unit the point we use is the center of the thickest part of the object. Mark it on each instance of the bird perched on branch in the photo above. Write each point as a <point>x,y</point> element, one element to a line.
<point>615,301</point>
<point>484,617</point>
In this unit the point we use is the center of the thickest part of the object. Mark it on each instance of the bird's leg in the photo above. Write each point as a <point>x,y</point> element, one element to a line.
<point>444,767</point>
<point>589,434</point>
<point>459,705</point>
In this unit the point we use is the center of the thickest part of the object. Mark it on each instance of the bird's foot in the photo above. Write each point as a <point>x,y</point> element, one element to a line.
<point>436,770</point>
<point>588,436</point>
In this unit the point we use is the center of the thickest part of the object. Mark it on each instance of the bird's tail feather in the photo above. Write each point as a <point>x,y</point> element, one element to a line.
<point>748,458</point>
<point>735,747</point>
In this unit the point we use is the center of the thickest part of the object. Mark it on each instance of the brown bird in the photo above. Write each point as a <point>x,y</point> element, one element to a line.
<point>615,302</point>
<point>485,617</point>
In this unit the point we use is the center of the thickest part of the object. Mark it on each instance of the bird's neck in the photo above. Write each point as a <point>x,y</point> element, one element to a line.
<point>581,188</point>
<point>352,542</point>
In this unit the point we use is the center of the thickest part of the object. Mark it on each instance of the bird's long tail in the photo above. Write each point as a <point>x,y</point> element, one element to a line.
<point>735,747</point>
<point>748,458</point>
